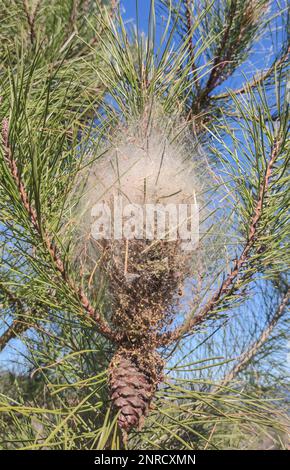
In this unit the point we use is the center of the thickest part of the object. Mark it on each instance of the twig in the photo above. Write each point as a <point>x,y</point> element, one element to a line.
<point>50,245</point>
<point>220,61</point>
<point>188,14</point>
<point>18,326</point>
<point>210,436</point>
<point>31,17</point>
<point>257,80</point>
<point>16,329</point>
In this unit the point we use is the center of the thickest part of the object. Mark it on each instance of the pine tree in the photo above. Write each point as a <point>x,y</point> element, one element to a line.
<point>138,343</point>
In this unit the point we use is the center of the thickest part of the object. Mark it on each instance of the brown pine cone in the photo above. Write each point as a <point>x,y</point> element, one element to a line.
<point>131,391</point>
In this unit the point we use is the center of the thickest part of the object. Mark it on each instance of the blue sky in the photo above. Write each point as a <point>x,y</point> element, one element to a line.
<point>129,11</point>
<point>261,56</point>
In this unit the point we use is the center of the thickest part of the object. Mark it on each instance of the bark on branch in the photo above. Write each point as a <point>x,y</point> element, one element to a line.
<point>13,331</point>
<point>18,326</point>
<point>31,17</point>
<point>188,14</point>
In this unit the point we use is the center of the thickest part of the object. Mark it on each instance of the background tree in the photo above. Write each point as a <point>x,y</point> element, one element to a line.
<point>73,78</point>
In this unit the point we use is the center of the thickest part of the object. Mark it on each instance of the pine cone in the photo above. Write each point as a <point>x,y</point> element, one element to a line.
<point>131,391</point>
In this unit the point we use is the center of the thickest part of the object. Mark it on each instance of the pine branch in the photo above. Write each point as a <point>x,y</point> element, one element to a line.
<point>188,14</point>
<point>12,297</point>
<point>31,17</point>
<point>18,326</point>
<point>222,56</point>
<point>73,14</point>
<point>241,24</point>
<point>228,285</point>
<point>259,79</point>
<point>253,349</point>
<point>50,245</point>
<point>14,331</point>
